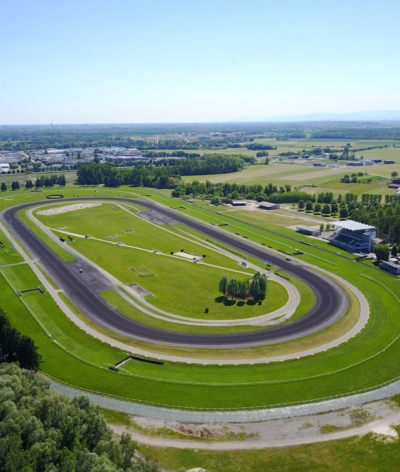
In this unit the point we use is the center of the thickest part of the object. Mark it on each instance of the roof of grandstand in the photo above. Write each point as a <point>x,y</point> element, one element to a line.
<point>352,225</point>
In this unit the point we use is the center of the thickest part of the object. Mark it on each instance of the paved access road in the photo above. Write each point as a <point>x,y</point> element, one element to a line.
<point>331,299</point>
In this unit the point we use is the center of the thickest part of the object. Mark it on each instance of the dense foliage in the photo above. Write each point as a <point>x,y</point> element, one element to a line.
<point>165,174</point>
<point>385,217</point>
<point>15,347</point>
<point>382,252</point>
<point>45,432</point>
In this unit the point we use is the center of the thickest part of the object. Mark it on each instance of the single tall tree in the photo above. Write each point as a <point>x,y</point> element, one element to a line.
<point>309,205</point>
<point>255,289</point>
<point>233,288</point>
<point>243,290</point>
<point>382,252</point>
<point>223,284</point>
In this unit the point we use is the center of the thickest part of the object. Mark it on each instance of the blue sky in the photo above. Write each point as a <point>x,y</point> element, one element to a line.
<point>127,61</point>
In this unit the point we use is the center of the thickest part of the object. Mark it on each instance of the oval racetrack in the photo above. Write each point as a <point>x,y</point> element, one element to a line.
<point>331,299</point>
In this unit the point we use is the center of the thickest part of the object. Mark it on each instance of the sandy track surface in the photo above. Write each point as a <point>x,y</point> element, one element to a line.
<point>67,208</point>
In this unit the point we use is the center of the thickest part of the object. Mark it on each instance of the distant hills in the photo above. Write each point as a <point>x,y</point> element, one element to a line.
<point>391,115</point>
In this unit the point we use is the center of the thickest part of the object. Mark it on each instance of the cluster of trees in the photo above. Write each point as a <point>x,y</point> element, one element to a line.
<point>370,211</point>
<point>351,180</point>
<point>14,186</point>
<point>45,432</point>
<point>260,147</point>
<point>48,181</point>
<point>382,252</point>
<point>160,176</point>
<point>386,219</point>
<point>95,174</point>
<point>256,288</point>
<point>211,164</point>
<point>15,347</point>
<point>262,154</point>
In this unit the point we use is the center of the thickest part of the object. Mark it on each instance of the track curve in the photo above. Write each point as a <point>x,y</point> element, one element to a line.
<point>331,299</point>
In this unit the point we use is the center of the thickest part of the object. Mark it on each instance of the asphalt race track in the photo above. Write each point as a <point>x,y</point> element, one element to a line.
<point>331,299</point>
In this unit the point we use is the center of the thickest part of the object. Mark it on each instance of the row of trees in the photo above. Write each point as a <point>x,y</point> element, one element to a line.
<point>48,181</point>
<point>14,186</point>
<point>15,347</point>
<point>324,209</point>
<point>226,192</point>
<point>256,288</point>
<point>45,432</point>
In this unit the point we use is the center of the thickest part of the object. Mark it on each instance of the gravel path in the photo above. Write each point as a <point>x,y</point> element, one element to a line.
<point>233,416</point>
<point>381,427</point>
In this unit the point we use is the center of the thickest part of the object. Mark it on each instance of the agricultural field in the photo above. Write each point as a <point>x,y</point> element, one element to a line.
<point>305,177</point>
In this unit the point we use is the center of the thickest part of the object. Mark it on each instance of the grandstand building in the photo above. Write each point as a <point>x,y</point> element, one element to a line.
<point>353,236</point>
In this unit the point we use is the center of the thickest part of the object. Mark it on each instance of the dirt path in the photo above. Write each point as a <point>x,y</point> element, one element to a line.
<point>377,417</point>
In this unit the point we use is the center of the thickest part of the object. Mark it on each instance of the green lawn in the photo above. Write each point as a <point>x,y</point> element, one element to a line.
<point>179,286</point>
<point>195,285</point>
<point>276,297</point>
<point>361,454</point>
<point>203,386</point>
<point>369,359</point>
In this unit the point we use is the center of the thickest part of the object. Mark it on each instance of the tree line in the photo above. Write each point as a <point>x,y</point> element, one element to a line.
<point>16,347</point>
<point>47,181</point>
<point>226,192</point>
<point>358,133</point>
<point>45,432</point>
<point>256,288</point>
<point>160,176</point>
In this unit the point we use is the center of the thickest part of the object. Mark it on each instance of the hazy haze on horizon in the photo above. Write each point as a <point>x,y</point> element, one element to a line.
<point>175,61</point>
